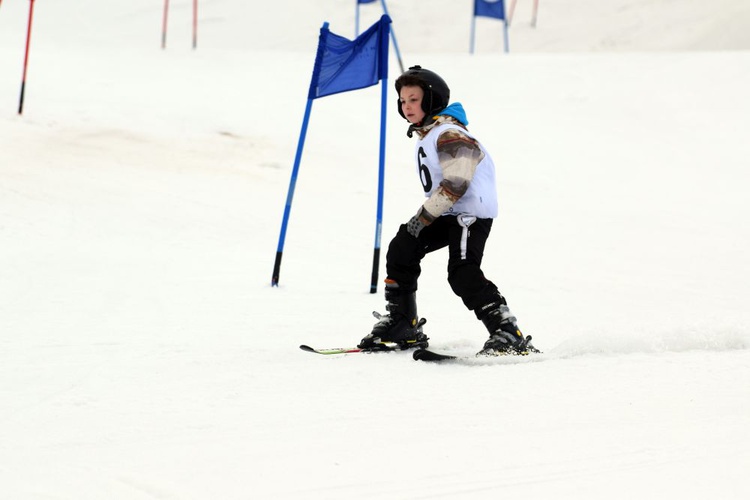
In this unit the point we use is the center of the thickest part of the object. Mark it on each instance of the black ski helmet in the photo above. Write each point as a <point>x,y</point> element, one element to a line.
<point>436,91</point>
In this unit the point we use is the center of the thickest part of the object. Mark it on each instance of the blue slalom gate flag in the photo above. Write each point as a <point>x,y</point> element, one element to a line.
<point>342,64</point>
<point>489,8</point>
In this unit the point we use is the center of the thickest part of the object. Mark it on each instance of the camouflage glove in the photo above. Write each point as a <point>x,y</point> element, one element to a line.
<point>414,226</point>
<point>418,222</point>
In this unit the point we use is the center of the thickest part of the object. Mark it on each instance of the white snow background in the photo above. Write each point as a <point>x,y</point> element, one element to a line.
<point>144,354</point>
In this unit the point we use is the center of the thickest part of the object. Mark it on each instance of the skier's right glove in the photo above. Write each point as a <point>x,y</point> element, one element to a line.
<point>418,222</point>
<point>414,226</point>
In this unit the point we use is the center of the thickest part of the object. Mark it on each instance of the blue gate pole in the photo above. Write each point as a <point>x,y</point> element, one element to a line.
<point>393,37</point>
<point>473,33</point>
<point>356,21</point>
<point>381,188</point>
<point>290,194</point>
<point>505,33</point>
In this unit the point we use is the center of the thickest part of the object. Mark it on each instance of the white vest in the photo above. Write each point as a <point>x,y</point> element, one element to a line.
<point>480,199</point>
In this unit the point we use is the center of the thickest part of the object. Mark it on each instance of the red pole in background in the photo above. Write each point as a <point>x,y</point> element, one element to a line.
<point>164,25</point>
<point>195,23</point>
<point>26,57</point>
<point>511,11</point>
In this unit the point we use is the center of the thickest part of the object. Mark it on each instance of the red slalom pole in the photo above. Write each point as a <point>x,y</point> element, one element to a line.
<point>195,23</point>
<point>533,17</point>
<point>511,11</point>
<point>26,57</point>
<point>164,25</point>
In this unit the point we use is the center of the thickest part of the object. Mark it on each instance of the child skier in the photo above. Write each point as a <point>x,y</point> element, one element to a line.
<point>458,177</point>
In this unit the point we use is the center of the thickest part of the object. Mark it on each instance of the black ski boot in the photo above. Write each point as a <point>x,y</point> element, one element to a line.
<point>505,336</point>
<point>401,326</point>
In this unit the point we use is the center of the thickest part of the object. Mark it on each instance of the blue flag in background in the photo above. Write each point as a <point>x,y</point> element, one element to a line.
<point>342,64</point>
<point>489,8</point>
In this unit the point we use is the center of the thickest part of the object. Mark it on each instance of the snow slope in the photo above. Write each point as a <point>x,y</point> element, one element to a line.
<point>143,353</point>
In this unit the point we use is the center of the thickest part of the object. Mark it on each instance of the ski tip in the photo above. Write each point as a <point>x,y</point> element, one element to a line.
<point>426,355</point>
<point>306,348</point>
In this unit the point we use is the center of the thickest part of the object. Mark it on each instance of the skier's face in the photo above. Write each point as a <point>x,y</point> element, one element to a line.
<point>411,103</point>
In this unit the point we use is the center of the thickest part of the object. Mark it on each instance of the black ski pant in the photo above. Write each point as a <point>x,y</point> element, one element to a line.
<point>465,236</point>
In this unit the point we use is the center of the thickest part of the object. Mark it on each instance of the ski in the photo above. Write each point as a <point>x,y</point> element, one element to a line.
<point>427,355</point>
<point>379,346</point>
<point>382,347</point>
<point>333,350</point>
